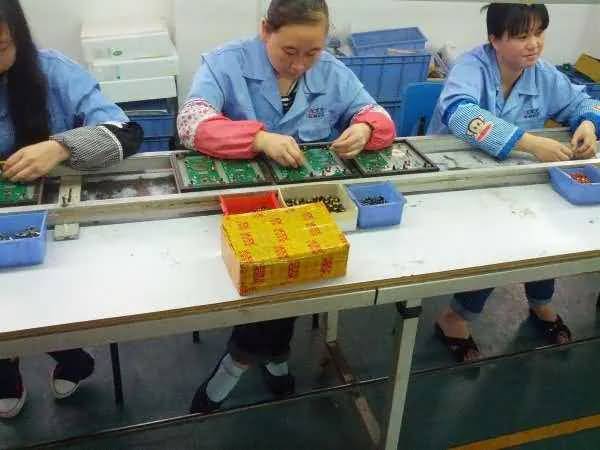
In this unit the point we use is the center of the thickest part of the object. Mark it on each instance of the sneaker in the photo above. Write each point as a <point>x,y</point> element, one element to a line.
<point>201,404</point>
<point>66,377</point>
<point>12,391</point>
<point>280,386</point>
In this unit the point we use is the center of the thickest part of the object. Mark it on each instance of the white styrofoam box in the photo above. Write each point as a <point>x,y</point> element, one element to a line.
<point>125,41</point>
<point>139,89</point>
<point>111,69</point>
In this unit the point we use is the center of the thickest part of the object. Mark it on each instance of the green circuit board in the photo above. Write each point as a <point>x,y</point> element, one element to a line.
<point>16,193</point>
<point>194,171</point>
<point>321,163</point>
<point>240,172</point>
<point>398,159</point>
<point>201,170</point>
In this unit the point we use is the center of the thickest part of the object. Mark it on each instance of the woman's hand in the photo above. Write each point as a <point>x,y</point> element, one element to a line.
<point>34,161</point>
<point>584,141</point>
<point>352,141</point>
<point>280,148</point>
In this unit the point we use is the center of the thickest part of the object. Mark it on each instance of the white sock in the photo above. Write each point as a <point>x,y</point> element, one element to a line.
<point>224,380</point>
<point>278,369</point>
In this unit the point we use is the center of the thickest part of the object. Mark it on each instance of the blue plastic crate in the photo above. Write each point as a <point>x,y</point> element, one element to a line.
<point>156,117</point>
<point>23,252</point>
<point>378,43</point>
<point>162,144</point>
<point>386,77</point>
<point>575,192</point>
<point>395,111</point>
<point>593,89</point>
<point>373,216</point>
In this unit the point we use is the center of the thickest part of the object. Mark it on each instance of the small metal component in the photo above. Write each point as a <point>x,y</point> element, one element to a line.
<point>373,201</point>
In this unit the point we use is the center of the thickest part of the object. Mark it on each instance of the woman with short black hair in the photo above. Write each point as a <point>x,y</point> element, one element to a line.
<point>493,96</point>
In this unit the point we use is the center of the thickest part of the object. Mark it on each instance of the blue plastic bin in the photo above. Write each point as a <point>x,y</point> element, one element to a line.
<point>372,216</point>
<point>593,89</point>
<point>23,252</point>
<point>155,145</point>
<point>574,192</point>
<point>395,111</point>
<point>377,43</point>
<point>156,117</point>
<point>386,77</point>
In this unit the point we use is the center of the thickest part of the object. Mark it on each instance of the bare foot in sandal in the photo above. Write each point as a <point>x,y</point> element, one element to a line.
<point>453,330</point>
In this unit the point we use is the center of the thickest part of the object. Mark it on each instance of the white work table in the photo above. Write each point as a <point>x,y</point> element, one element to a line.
<point>146,279</point>
<point>135,269</point>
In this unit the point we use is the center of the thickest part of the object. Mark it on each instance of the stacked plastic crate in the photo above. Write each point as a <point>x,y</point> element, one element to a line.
<point>576,77</point>
<point>386,61</point>
<point>137,68</point>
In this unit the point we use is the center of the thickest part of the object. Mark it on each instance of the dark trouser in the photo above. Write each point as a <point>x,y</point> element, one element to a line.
<point>69,358</point>
<point>262,342</point>
<point>470,304</point>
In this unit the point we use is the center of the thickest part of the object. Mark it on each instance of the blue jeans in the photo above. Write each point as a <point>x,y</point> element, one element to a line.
<point>470,304</point>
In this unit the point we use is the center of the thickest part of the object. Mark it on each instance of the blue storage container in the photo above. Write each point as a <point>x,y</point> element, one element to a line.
<point>593,89</point>
<point>27,251</point>
<point>156,117</point>
<point>575,192</point>
<point>162,144</point>
<point>395,111</point>
<point>386,77</point>
<point>377,43</point>
<point>372,216</point>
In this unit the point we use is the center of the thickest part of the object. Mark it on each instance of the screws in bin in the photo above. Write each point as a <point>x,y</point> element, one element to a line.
<point>374,200</point>
<point>29,232</point>
<point>332,202</point>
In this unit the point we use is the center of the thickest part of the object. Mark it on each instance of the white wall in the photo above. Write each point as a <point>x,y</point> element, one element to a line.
<point>57,23</point>
<point>203,25</point>
<point>200,25</point>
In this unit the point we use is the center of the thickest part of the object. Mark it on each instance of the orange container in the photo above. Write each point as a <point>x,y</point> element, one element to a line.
<point>246,203</point>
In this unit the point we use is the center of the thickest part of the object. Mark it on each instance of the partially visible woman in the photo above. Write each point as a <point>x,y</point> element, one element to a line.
<point>51,111</point>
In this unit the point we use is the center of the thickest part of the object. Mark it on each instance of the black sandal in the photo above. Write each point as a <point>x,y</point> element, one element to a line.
<point>459,347</point>
<point>552,331</point>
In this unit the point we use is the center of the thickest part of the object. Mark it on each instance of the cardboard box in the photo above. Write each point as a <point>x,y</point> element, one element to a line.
<point>590,66</point>
<point>282,246</point>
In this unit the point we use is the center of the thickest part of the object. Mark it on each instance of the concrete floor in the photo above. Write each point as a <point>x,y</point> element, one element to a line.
<point>444,409</point>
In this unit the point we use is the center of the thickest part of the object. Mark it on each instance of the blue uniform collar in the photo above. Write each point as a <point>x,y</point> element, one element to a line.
<point>257,66</point>
<point>525,85</point>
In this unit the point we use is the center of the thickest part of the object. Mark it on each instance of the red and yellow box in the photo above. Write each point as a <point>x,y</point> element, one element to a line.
<point>283,246</point>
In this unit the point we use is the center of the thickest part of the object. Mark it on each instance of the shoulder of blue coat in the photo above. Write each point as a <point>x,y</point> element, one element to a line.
<point>231,50</point>
<point>54,59</point>
<point>331,68</point>
<point>479,56</point>
<point>547,68</point>
<point>60,68</point>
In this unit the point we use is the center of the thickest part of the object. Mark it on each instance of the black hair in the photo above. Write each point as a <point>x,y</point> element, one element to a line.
<point>296,12</point>
<point>27,85</point>
<point>514,19</point>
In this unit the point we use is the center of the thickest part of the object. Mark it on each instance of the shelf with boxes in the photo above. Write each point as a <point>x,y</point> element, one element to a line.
<point>137,67</point>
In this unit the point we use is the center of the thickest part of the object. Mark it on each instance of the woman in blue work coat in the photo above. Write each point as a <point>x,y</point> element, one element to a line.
<point>51,111</point>
<point>493,95</point>
<point>266,95</point>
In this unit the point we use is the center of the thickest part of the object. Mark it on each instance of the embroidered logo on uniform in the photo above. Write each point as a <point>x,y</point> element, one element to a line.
<point>317,112</point>
<point>479,129</point>
<point>531,113</point>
